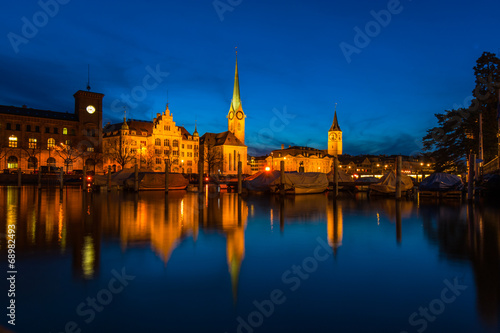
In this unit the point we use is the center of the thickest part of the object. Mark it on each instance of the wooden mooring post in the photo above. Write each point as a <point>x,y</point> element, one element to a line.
<point>398,177</point>
<point>239,177</point>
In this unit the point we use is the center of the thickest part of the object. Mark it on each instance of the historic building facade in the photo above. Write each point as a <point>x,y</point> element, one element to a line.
<point>307,159</point>
<point>30,138</point>
<point>221,152</point>
<point>151,144</point>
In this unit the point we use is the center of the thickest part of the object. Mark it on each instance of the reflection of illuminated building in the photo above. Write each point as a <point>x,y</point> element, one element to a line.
<point>229,214</point>
<point>163,227</point>
<point>335,224</point>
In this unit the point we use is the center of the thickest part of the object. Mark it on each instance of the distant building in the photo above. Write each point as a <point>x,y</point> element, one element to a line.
<point>221,152</point>
<point>300,159</point>
<point>30,138</point>
<point>151,144</point>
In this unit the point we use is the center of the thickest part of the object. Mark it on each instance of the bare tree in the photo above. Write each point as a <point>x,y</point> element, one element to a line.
<point>69,153</point>
<point>120,152</point>
<point>31,150</point>
<point>212,156</point>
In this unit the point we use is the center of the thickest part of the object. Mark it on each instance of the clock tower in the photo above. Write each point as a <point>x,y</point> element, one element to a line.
<point>335,137</point>
<point>236,116</point>
<point>88,111</point>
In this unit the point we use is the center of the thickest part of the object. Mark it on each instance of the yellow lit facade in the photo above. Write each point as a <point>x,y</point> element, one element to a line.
<point>151,144</point>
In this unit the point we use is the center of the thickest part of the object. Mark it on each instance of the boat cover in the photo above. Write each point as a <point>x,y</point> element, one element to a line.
<point>117,178</point>
<point>303,182</point>
<point>387,183</point>
<point>260,181</point>
<point>441,182</point>
<point>343,177</point>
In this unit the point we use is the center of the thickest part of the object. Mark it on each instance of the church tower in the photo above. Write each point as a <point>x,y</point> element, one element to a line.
<point>236,116</point>
<point>335,137</point>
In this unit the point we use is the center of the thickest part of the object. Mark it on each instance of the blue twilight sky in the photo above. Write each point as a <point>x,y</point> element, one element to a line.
<point>296,60</point>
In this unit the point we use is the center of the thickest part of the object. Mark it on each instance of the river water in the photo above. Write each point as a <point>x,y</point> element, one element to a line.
<point>146,262</point>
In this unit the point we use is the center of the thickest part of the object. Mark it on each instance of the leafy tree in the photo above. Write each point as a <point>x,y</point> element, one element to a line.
<point>457,133</point>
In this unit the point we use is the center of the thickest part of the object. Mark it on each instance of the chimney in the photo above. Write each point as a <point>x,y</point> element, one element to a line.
<point>282,146</point>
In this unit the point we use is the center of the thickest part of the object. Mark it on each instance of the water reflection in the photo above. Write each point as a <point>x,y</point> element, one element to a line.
<point>78,225</point>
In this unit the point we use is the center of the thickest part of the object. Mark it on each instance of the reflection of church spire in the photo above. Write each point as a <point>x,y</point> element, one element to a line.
<point>235,254</point>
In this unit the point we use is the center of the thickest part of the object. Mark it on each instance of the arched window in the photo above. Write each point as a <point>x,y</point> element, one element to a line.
<point>32,162</point>
<point>157,142</point>
<point>13,141</point>
<point>51,162</point>
<point>89,163</point>
<point>12,162</point>
<point>51,142</point>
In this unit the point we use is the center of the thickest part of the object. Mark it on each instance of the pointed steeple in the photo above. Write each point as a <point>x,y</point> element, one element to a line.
<point>195,133</point>
<point>335,124</point>
<point>124,125</point>
<point>236,101</point>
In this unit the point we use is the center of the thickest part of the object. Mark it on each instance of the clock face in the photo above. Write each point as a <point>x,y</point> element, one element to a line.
<point>231,115</point>
<point>333,136</point>
<point>239,115</point>
<point>90,109</point>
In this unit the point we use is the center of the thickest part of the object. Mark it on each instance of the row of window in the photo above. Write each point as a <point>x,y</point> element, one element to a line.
<point>33,143</point>
<point>160,161</point>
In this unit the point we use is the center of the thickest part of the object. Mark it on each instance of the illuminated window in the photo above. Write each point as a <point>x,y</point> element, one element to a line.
<point>157,142</point>
<point>13,142</point>
<point>175,143</point>
<point>166,142</point>
<point>90,149</point>
<point>32,143</point>
<point>12,162</point>
<point>65,130</point>
<point>67,142</point>
<point>51,143</point>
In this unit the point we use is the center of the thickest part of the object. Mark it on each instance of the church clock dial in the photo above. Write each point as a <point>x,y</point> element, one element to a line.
<point>231,115</point>
<point>90,109</point>
<point>239,115</point>
<point>333,136</point>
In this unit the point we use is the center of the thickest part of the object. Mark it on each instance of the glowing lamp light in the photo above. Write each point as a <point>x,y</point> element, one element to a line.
<point>268,168</point>
<point>206,178</point>
<point>89,178</point>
